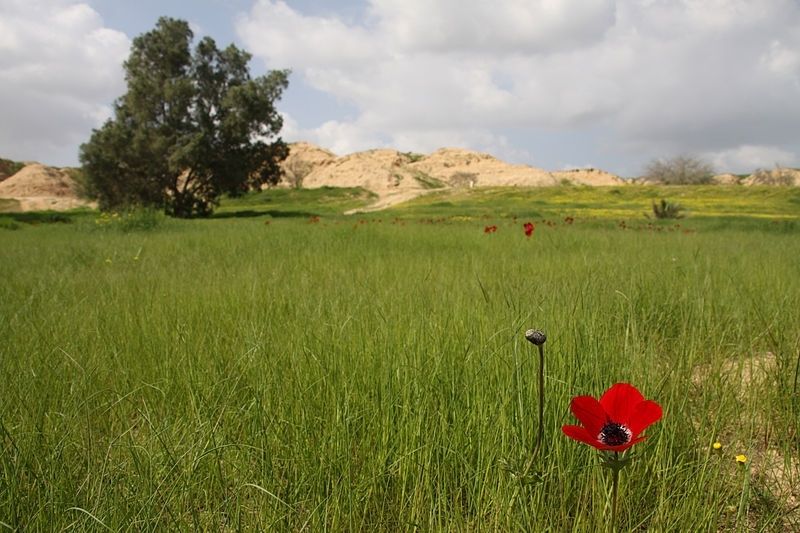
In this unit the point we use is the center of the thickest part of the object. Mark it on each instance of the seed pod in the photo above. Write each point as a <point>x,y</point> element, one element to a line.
<point>535,337</point>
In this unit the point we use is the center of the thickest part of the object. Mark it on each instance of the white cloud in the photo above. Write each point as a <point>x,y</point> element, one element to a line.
<point>301,41</point>
<point>782,60</point>
<point>747,158</point>
<point>345,137</point>
<point>340,137</point>
<point>660,76</point>
<point>514,26</point>
<point>60,69</point>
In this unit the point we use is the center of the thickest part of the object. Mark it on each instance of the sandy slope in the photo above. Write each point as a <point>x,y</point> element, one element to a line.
<point>396,176</point>
<point>38,180</point>
<point>38,187</point>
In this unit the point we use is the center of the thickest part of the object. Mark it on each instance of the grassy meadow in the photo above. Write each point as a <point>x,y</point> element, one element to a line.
<point>284,367</point>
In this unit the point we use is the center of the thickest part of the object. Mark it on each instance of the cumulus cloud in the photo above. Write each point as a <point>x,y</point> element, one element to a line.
<point>302,41</point>
<point>515,26</point>
<point>659,76</point>
<point>60,70</point>
<point>750,157</point>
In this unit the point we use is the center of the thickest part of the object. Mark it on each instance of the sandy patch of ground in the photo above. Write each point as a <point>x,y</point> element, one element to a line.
<point>739,374</point>
<point>772,469</point>
<point>389,200</point>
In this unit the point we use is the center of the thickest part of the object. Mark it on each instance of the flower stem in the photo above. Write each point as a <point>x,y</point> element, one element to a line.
<point>615,462</point>
<point>741,513</point>
<point>541,395</point>
<point>614,487</point>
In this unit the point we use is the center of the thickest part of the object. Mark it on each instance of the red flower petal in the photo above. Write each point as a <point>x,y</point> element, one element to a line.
<point>642,415</point>
<point>580,434</point>
<point>619,402</point>
<point>590,413</point>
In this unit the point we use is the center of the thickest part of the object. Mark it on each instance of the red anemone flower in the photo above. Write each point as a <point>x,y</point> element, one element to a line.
<point>614,423</point>
<point>529,227</point>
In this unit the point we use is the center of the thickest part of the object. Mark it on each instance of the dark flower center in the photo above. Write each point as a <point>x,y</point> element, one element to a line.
<point>614,434</point>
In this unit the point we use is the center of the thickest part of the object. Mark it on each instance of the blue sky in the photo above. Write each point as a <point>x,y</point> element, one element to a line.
<point>556,84</point>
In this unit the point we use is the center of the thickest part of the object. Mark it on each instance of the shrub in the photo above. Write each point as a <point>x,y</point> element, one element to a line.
<point>296,170</point>
<point>427,181</point>
<point>464,179</point>
<point>679,170</point>
<point>665,209</point>
<point>413,157</point>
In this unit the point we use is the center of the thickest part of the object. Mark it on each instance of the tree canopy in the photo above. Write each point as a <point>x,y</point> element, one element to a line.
<point>193,125</point>
<point>679,170</point>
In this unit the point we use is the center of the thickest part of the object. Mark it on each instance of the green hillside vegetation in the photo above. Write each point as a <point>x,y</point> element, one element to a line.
<point>624,202</point>
<point>9,167</point>
<point>704,206</point>
<point>296,202</point>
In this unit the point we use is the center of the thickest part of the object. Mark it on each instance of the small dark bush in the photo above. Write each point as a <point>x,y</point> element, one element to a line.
<point>665,209</point>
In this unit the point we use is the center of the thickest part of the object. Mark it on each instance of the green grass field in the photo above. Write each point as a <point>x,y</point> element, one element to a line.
<point>267,369</point>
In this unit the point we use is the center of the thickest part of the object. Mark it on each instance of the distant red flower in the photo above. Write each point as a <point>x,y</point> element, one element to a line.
<point>490,229</point>
<point>614,423</point>
<point>529,227</point>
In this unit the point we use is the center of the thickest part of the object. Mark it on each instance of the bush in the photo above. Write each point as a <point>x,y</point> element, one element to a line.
<point>679,170</point>
<point>427,181</point>
<point>413,157</point>
<point>464,179</point>
<point>665,209</point>
<point>295,171</point>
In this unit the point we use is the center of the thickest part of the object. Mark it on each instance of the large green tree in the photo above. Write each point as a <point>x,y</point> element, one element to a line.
<point>192,126</point>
